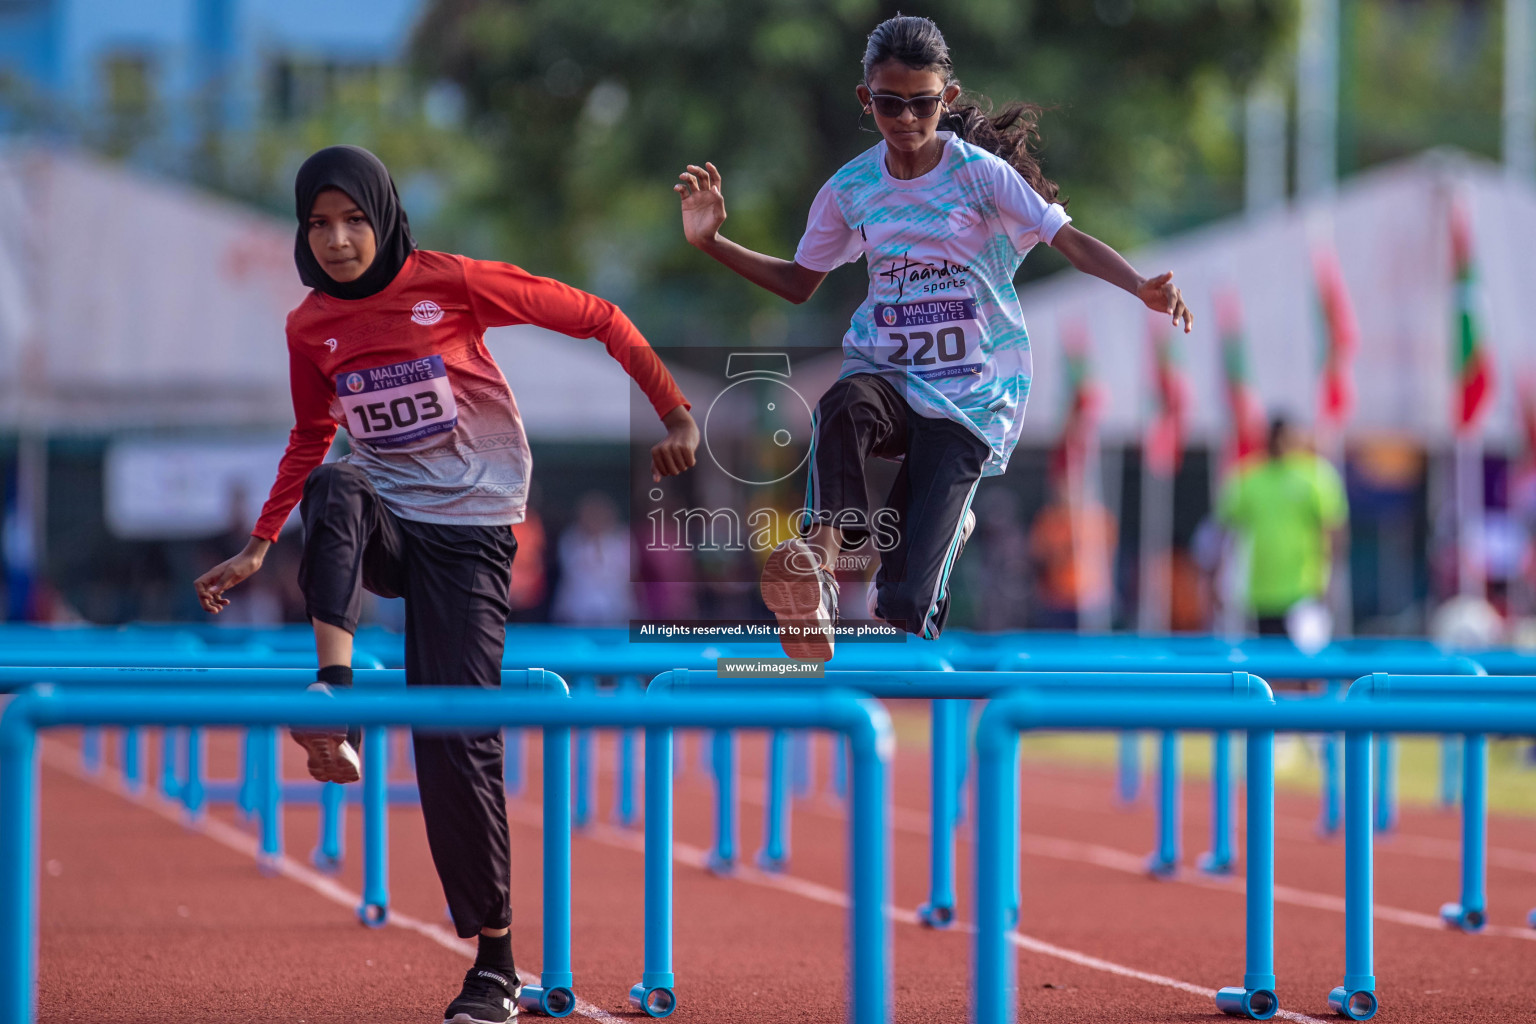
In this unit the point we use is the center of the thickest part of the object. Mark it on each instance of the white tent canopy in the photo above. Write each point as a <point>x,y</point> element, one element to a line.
<point>1390,229</point>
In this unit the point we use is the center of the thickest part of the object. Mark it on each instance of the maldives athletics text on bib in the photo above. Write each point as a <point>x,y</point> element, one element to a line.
<point>399,403</point>
<point>933,340</point>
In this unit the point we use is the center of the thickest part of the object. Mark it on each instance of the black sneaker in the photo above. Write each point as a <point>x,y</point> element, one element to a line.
<point>332,757</point>
<point>488,997</point>
<point>801,593</point>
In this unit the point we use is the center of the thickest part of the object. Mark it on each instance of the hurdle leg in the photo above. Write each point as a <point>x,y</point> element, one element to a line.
<point>333,809</point>
<point>939,911</point>
<point>271,850</point>
<point>1328,816</point>
<point>1256,997</point>
<point>839,768</point>
<point>997,860</point>
<point>133,758</point>
<point>653,995</point>
<point>624,804</point>
<point>1130,767</point>
<point>18,874</point>
<point>512,767</point>
<point>1386,783</point>
<point>168,759</point>
<point>1356,998</point>
<point>1219,860</point>
<point>1164,862</point>
<point>869,876</point>
<point>247,797</point>
<point>581,817</point>
<point>552,995</point>
<point>374,910</point>
<point>1450,771</point>
<point>800,763</point>
<point>722,859</point>
<point>1471,914</point>
<point>193,793</point>
<point>90,749</point>
<point>775,853</point>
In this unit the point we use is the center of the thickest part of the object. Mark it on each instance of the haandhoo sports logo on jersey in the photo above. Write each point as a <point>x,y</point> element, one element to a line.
<point>426,312</point>
<point>355,382</point>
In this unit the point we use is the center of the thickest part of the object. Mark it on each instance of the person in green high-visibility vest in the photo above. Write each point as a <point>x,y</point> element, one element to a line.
<point>1287,505</point>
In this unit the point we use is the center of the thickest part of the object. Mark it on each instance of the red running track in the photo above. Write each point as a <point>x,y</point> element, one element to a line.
<point>144,919</point>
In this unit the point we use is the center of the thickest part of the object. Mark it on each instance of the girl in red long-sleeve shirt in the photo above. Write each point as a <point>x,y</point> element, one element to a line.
<point>390,345</point>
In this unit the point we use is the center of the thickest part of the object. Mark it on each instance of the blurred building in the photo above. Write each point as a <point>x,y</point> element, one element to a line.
<point>156,80</point>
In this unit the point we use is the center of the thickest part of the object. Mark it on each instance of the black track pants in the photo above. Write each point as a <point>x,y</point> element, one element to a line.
<point>917,533</point>
<point>454,580</point>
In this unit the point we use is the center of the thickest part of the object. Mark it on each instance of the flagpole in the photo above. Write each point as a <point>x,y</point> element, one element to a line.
<point>1317,98</point>
<point>1519,120</point>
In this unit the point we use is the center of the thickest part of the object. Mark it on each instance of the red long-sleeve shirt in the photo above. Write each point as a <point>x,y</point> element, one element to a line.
<point>433,422</point>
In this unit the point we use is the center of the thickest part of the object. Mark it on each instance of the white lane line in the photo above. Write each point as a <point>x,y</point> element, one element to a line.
<point>697,857</point>
<point>905,819</point>
<point>1067,793</point>
<point>245,844</point>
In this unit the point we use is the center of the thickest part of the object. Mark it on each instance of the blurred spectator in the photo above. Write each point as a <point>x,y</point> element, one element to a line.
<point>1287,505</point>
<point>594,586</point>
<point>1069,545</point>
<point>529,593</point>
<point>997,560</point>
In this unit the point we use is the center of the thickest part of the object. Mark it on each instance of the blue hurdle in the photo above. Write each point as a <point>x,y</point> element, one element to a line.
<point>997,803</point>
<point>863,721</point>
<point>1470,912</point>
<point>942,688</point>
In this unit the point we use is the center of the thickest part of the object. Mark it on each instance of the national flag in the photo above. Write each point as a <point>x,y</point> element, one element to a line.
<point>1081,419</point>
<point>1243,406</point>
<point>1341,337</point>
<point>1170,396</point>
<point>1473,366</point>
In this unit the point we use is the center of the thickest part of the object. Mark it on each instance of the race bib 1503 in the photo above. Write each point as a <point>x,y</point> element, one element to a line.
<point>932,340</point>
<point>400,403</point>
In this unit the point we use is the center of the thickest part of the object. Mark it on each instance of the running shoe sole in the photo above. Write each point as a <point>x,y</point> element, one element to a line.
<point>331,757</point>
<point>794,597</point>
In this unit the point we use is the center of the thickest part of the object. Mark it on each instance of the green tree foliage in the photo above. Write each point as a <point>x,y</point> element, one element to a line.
<point>591,107</point>
<point>1420,74</point>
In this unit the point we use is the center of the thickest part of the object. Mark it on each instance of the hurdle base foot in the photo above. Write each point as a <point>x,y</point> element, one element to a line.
<point>374,915</point>
<point>551,1002</point>
<point>719,865</point>
<point>931,915</point>
<point>1357,1004</point>
<point>269,865</point>
<point>1530,919</point>
<point>771,863</point>
<point>1159,868</point>
<point>1253,1003</point>
<point>1211,864</point>
<point>1470,920</point>
<point>329,863</point>
<point>653,1002</point>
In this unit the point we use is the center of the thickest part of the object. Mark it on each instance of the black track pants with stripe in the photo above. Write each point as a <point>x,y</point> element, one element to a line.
<point>917,532</point>
<point>454,580</point>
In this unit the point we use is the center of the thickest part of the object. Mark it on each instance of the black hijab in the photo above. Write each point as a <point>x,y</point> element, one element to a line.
<point>364,178</point>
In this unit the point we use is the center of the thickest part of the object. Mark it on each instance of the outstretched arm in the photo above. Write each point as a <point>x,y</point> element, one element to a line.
<point>703,215</point>
<point>1092,256</point>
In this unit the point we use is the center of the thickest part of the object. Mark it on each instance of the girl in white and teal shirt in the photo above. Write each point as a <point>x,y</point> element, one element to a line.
<point>936,366</point>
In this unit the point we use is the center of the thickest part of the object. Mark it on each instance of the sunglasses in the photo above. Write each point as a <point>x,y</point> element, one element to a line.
<point>891,106</point>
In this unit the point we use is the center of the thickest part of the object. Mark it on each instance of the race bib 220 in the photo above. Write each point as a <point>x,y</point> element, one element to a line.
<point>932,340</point>
<point>400,403</point>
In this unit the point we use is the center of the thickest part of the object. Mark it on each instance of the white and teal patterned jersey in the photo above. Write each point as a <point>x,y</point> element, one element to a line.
<point>941,319</point>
